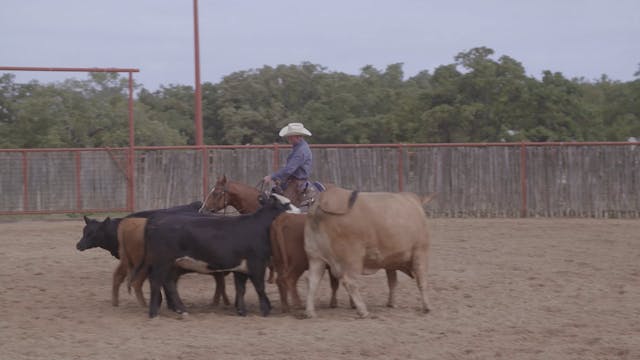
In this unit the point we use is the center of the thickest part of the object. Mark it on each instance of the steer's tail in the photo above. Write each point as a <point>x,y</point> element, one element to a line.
<point>427,199</point>
<point>143,260</point>
<point>280,243</point>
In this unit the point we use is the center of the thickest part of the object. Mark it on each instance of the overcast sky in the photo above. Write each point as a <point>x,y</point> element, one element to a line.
<point>585,38</point>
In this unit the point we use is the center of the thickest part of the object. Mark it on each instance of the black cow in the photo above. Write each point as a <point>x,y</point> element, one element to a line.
<point>104,234</point>
<point>211,244</point>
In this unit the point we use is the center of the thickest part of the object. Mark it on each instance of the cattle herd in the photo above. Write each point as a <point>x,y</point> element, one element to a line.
<point>349,233</point>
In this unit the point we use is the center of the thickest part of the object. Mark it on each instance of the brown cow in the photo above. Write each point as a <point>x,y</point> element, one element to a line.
<point>289,258</point>
<point>131,250</point>
<point>358,233</point>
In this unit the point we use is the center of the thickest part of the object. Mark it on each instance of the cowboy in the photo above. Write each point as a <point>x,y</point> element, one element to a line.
<point>293,177</point>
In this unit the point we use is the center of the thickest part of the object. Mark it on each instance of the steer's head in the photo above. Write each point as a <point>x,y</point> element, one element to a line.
<point>278,201</point>
<point>93,234</point>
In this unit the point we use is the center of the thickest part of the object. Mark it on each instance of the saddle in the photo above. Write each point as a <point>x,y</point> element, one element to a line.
<point>302,193</point>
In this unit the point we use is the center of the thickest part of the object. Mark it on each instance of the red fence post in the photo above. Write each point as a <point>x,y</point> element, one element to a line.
<point>78,182</point>
<point>276,157</point>
<point>400,169</point>
<point>205,172</point>
<point>130,164</point>
<point>523,179</point>
<point>198,88</point>
<point>25,182</point>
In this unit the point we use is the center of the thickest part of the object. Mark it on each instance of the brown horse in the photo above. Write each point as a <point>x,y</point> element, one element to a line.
<point>245,199</point>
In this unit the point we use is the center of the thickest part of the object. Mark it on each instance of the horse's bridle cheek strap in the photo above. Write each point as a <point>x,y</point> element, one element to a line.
<point>225,199</point>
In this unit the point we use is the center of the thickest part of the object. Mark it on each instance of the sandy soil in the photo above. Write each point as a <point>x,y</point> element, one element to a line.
<point>499,288</point>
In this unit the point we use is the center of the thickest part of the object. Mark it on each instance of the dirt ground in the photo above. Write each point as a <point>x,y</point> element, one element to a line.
<point>499,289</point>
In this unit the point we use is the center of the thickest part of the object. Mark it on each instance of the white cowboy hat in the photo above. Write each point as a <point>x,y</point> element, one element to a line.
<point>294,129</point>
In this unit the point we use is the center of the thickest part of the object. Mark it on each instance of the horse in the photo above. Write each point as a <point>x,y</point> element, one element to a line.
<point>244,199</point>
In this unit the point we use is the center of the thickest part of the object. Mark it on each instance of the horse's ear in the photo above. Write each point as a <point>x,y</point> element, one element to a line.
<point>86,219</point>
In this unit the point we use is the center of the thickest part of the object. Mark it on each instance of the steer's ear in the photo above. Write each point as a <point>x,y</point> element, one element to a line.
<point>86,219</point>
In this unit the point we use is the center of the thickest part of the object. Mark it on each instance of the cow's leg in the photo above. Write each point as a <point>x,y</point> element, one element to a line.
<point>137,286</point>
<point>292,284</point>
<point>240,280</point>
<point>282,289</point>
<point>350,283</point>
<point>335,283</point>
<point>420,272</point>
<point>171,291</point>
<point>156,278</point>
<point>258,283</point>
<point>272,273</point>
<point>316,270</point>
<point>392,280</point>
<point>118,277</point>
<point>220,291</point>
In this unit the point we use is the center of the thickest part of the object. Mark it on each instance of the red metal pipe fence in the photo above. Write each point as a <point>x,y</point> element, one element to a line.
<point>85,177</point>
<point>130,161</point>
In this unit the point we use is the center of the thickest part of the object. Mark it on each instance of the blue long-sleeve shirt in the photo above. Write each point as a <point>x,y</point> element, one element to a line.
<point>298,164</point>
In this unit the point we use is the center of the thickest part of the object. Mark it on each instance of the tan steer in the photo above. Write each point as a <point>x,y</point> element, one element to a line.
<point>358,233</point>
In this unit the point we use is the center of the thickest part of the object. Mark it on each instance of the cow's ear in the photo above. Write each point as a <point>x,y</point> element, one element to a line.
<point>107,220</point>
<point>262,199</point>
<point>86,219</point>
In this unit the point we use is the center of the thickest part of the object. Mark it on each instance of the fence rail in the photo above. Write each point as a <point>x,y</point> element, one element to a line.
<point>476,180</point>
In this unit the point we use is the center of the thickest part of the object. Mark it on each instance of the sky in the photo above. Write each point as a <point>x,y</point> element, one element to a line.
<point>579,38</point>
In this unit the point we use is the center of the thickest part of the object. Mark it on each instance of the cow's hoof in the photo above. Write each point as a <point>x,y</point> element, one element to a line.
<point>391,305</point>
<point>310,314</point>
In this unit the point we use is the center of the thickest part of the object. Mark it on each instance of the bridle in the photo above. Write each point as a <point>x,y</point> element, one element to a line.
<point>225,197</point>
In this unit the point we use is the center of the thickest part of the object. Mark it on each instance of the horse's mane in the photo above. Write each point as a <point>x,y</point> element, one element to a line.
<point>242,186</point>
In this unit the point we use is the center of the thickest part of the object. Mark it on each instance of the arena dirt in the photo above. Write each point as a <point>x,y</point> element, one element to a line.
<point>499,289</point>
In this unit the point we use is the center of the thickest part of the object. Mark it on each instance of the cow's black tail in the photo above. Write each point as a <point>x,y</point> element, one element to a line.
<point>352,198</point>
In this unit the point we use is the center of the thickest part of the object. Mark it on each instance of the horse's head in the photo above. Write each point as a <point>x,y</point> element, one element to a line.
<point>218,198</point>
<point>243,198</point>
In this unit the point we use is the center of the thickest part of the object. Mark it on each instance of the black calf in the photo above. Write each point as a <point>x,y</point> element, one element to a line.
<point>212,244</point>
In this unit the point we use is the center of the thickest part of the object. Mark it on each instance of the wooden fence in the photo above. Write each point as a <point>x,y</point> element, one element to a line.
<point>475,180</point>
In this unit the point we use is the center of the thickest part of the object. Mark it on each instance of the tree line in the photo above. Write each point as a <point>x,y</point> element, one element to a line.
<point>476,98</point>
